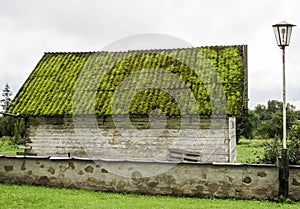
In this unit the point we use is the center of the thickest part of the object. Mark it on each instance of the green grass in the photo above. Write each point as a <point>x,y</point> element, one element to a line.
<point>250,150</point>
<point>24,196</point>
<point>8,147</point>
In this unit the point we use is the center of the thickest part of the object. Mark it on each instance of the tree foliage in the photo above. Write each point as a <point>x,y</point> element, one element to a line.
<point>247,125</point>
<point>6,94</point>
<point>270,119</point>
<point>266,121</point>
<point>10,126</point>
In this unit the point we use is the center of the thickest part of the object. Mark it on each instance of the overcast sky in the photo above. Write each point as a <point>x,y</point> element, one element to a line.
<point>28,28</point>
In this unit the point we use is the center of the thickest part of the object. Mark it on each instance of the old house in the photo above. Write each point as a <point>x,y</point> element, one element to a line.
<point>169,104</point>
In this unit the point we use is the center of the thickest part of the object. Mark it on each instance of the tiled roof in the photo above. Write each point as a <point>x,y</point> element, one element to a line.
<point>136,82</point>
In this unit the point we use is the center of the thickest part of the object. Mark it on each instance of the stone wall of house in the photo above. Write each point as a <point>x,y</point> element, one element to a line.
<point>242,181</point>
<point>194,139</point>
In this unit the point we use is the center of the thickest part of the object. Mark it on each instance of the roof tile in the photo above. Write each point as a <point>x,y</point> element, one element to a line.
<point>136,82</point>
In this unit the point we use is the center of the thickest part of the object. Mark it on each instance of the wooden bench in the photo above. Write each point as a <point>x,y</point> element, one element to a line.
<point>184,155</point>
<point>26,150</point>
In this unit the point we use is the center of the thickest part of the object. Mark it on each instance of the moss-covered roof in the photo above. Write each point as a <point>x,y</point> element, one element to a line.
<point>137,82</point>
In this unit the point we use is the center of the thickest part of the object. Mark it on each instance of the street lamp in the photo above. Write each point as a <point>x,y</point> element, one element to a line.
<point>283,33</point>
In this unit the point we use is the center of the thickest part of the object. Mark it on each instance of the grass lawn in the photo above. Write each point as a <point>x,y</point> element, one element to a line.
<point>24,196</point>
<point>7,147</point>
<point>249,150</point>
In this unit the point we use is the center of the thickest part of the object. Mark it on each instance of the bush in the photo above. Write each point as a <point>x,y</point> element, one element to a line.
<point>272,150</point>
<point>294,145</point>
<point>6,126</point>
<point>12,127</point>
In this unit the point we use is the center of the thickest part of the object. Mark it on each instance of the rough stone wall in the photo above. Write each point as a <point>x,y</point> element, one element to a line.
<point>294,182</point>
<point>242,181</point>
<point>213,139</point>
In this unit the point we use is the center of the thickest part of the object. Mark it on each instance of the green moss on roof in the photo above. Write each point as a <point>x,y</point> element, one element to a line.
<point>87,83</point>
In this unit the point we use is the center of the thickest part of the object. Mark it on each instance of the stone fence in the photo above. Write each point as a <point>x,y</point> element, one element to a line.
<point>242,181</point>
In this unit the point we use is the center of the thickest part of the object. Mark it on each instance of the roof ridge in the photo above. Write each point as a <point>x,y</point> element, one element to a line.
<point>144,50</point>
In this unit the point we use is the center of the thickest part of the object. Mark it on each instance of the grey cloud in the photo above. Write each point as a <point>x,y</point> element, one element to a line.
<point>31,27</point>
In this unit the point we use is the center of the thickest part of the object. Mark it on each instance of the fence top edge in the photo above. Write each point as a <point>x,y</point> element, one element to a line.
<point>129,160</point>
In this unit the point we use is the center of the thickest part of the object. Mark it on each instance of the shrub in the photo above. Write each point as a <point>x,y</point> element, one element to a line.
<point>294,145</point>
<point>273,149</point>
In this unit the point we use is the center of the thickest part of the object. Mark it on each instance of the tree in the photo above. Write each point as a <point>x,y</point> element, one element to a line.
<point>262,112</point>
<point>247,125</point>
<point>270,119</point>
<point>6,123</point>
<point>271,127</point>
<point>6,94</point>
<point>266,121</point>
<point>10,126</point>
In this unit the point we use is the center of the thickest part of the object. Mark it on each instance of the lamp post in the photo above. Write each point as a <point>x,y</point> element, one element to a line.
<point>283,33</point>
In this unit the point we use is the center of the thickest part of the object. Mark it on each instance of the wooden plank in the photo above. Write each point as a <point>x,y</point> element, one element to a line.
<point>186,155</point>
<point>57,136</point>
